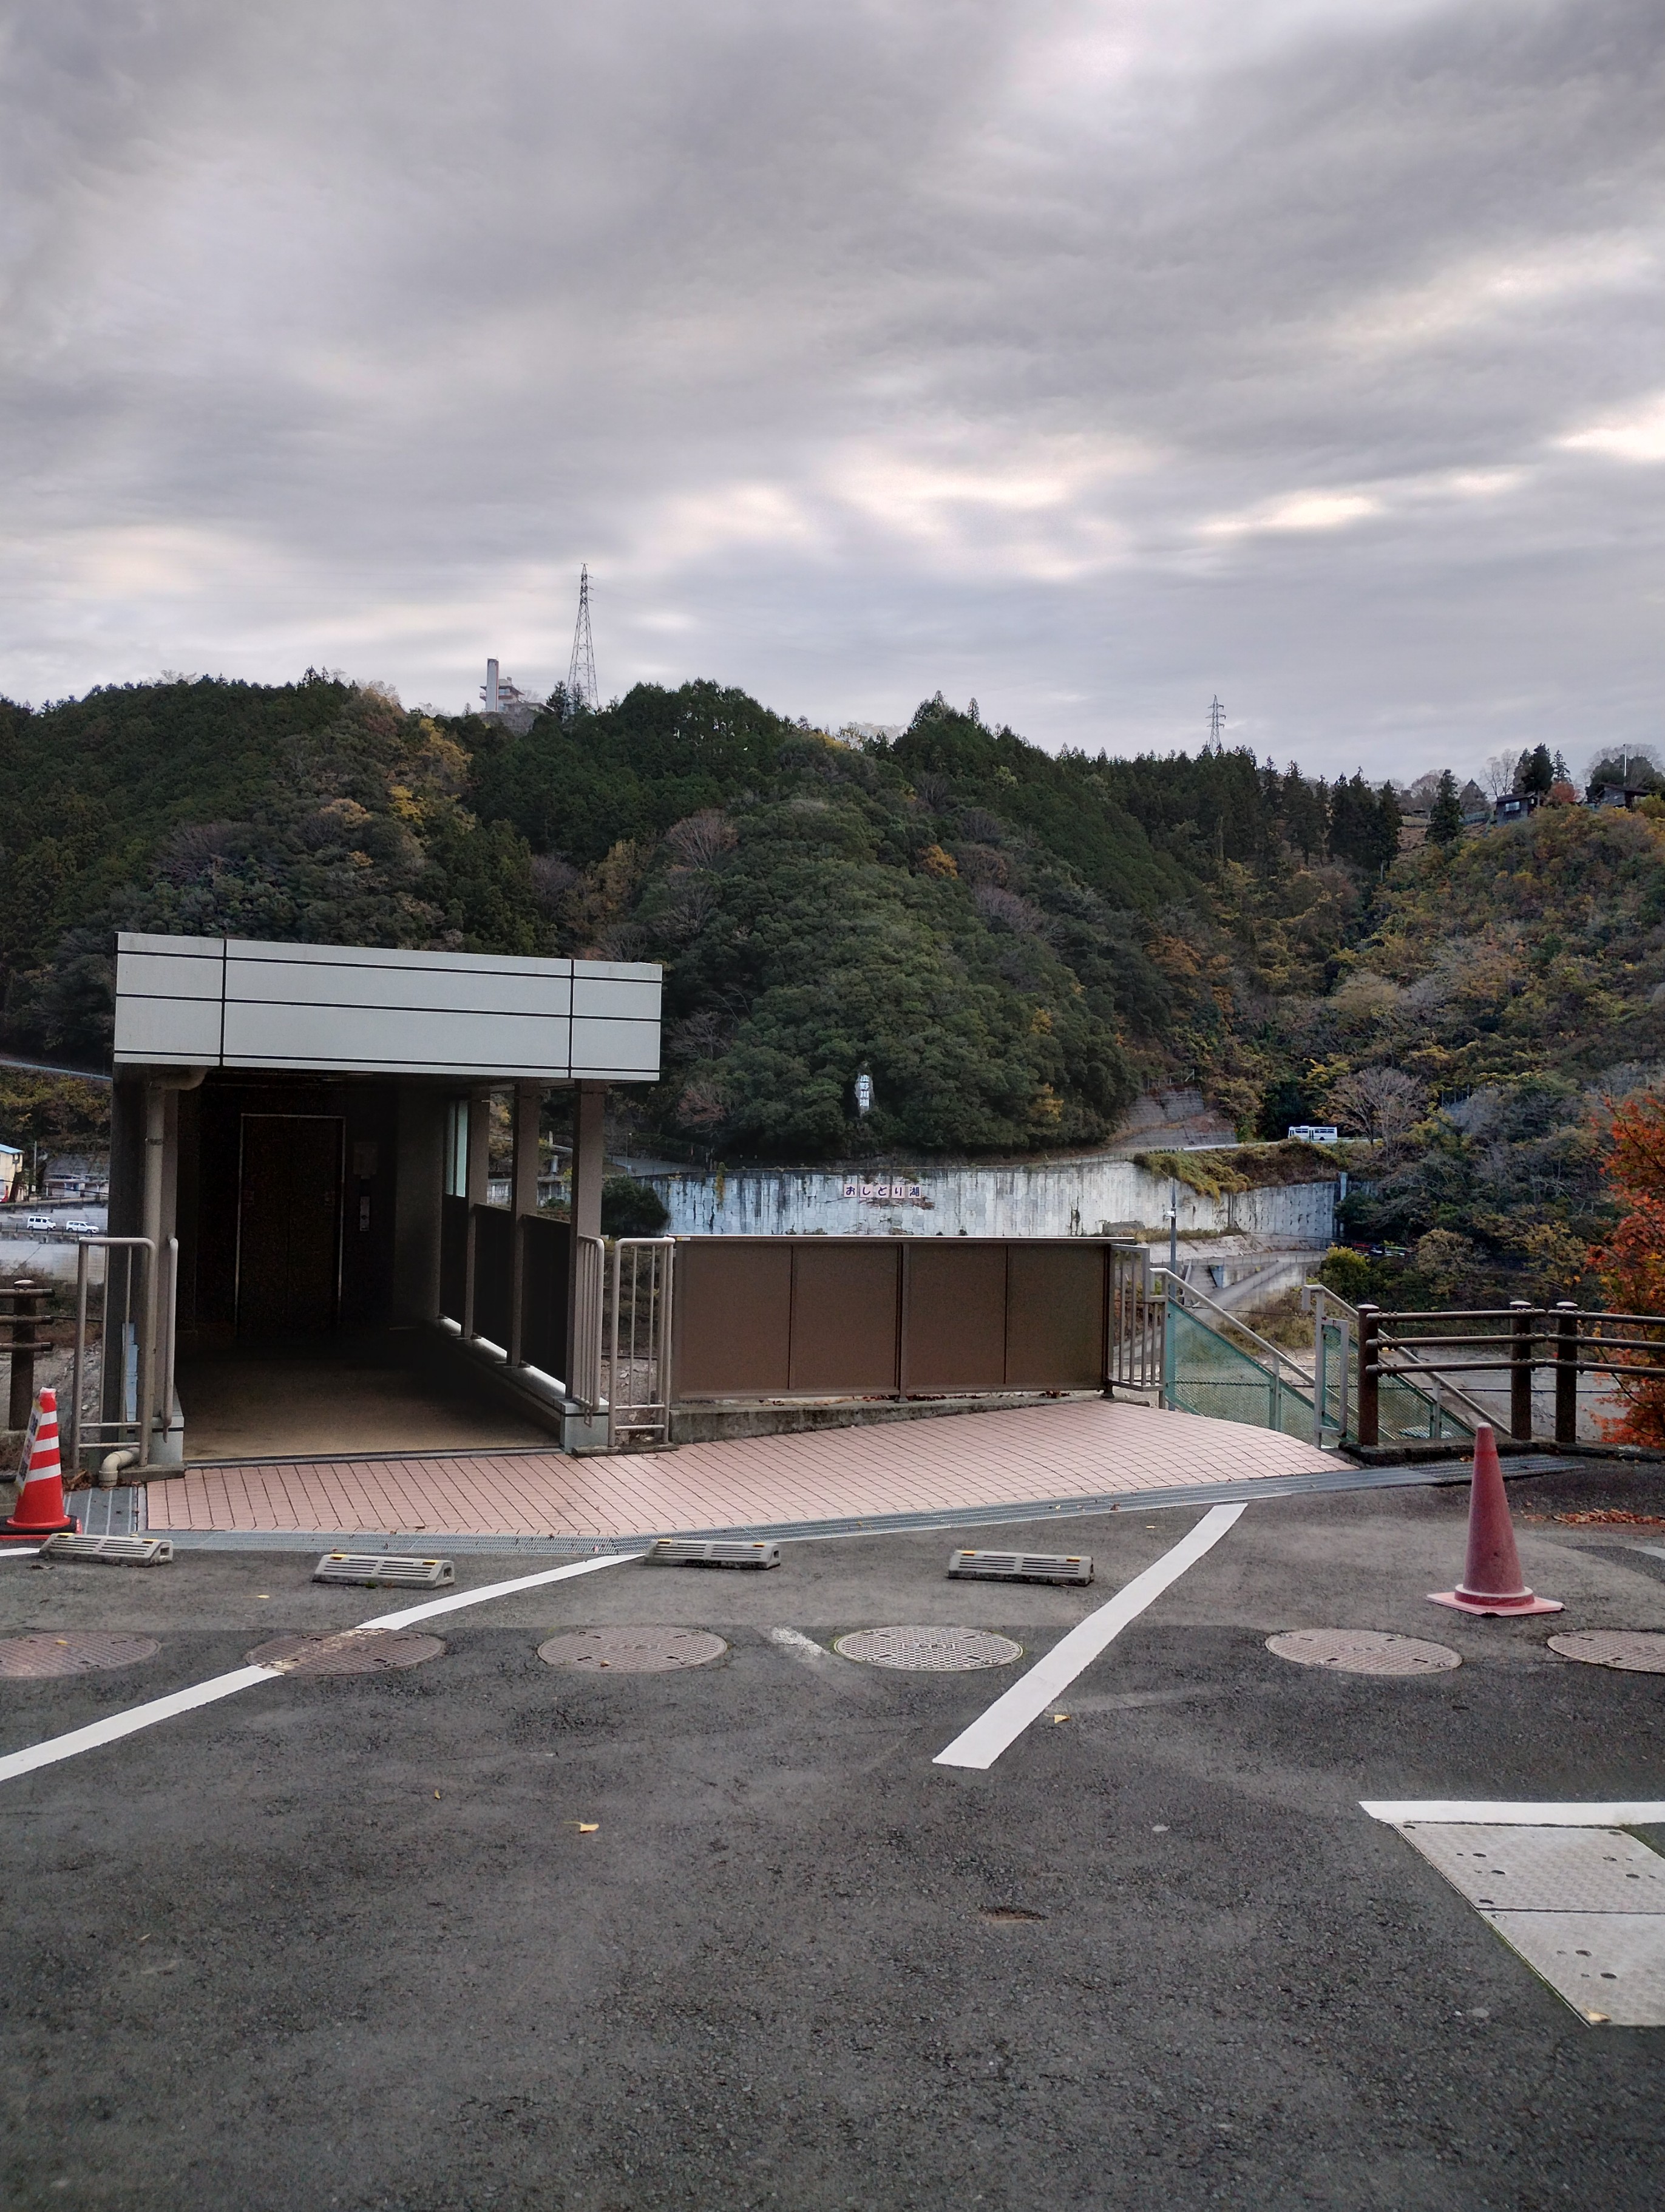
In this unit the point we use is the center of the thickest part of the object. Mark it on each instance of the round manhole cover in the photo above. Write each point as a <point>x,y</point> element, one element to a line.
<point>929,1651</point>
<point>632,1650</point>
<point>83,1653</point>
<point>1632,1650</point>
<point>1362,1651</point>
<point>353,1651</point>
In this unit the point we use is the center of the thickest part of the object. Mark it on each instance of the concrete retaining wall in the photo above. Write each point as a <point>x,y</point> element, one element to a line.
<point>1087,1197</point>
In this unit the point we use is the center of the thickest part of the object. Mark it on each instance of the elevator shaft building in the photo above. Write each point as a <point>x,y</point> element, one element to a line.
<point>301,1137</point>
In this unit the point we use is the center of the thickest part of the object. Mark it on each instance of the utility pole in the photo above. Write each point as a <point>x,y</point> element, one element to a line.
<point>582,687</point>
<point>1173,1226</point>
<point>1217,725</point>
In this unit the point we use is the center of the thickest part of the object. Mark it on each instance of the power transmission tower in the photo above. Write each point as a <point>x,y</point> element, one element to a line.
<point>1217,725</point>
<point>582,687</point>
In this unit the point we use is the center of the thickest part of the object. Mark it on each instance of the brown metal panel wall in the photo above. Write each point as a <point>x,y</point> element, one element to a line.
<point>734,1317</point>
<point>846,1304</point>
<point>547,1244</point>
<point>1055,1317</point>
<point>954,1320</point>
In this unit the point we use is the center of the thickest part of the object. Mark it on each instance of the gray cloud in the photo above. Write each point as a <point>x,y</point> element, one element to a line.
<point>1086,358</point>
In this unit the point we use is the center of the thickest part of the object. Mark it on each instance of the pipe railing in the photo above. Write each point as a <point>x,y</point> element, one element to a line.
<point>639,1322</point>
<point>143,1417</point>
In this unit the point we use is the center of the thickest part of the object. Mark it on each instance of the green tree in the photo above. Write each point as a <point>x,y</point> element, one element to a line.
<point>1445,816</point>
<point>1536,773</point>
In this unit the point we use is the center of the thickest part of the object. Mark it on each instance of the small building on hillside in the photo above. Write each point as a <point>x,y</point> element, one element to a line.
<point>84,1175</point>
<point>11,1171</point>
<point>1619,794</point>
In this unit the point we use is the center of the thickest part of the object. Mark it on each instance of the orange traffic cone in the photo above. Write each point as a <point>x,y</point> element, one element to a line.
<point>38,1511</point>
<point>1492,1573</point>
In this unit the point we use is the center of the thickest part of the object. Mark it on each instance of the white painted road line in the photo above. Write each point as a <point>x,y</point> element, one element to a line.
<point>800,1646</point>
<point>245,1678</point>
<point>982,1744</point>
<point>23,1552</point>
<point>1636,1812</point>
<point>459,1598</point>
<point>134,1718</point>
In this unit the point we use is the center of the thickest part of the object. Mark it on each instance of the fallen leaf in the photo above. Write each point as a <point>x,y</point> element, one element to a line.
<point>584,1827</point>
<point>1059,1717</point>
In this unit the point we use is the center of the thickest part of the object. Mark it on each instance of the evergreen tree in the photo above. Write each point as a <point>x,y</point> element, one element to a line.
<point>1445,816</point>
<point>1535,773</point>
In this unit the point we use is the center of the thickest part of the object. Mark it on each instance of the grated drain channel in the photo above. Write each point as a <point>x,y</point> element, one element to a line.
<point>36,1657</point>
<point>1362,1651</point>
<point>1632,1651</point>
<point>632,1650</point>
<point>928,1650</point>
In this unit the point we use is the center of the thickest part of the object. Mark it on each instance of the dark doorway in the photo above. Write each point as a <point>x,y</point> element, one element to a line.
<point>289,1224</point>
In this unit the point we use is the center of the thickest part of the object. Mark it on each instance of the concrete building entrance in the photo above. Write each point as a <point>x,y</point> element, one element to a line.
<point>300,1156</point>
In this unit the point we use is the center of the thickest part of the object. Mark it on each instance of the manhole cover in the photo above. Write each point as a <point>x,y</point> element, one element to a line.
<point>84,1654</point>
<point>1362,1651</point>
<point>1632,1649</point>
<point>353,1651</point>
<point>632,1650</point>
<point>929,1651</point>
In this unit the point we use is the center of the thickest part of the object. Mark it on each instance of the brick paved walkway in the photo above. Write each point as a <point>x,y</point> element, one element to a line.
<point>1090,1448</point>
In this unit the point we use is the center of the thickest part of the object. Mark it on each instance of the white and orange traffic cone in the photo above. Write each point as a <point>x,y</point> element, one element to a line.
<point>1492,1581</point>
<point>39,1512</point>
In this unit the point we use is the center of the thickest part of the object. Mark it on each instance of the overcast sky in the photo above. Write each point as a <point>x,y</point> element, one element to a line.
<point>1088,357</point>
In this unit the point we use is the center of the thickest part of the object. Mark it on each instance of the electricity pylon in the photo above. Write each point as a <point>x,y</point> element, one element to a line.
<point>581,688</point>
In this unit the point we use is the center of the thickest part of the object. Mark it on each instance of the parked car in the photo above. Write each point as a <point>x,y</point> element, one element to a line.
<point>40,1225</point>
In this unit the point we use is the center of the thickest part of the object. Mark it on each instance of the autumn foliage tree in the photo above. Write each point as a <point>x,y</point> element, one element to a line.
<point>1630,1265</point>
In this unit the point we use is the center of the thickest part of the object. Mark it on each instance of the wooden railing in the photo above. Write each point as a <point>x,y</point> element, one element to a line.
<point>1516,1340</point>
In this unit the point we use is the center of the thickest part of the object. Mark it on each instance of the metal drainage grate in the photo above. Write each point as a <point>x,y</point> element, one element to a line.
<point>1633,1650</point>
<point>632,1650</point>
<point>1019,1567</point>
<point>1362,1651</point>
<point>109,1551</point>
<point>383,1571</point>
<point>928,1650</point>
<point>354,1651</point>
<point>721,1552</point>
<point>82,1653</point>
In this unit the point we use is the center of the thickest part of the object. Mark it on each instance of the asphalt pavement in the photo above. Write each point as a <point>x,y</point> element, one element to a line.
<point>490,1932</point>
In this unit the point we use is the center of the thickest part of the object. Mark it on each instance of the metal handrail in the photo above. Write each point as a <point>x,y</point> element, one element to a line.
<point>626,1414</point>
<point>584,1381</point>
<point>1435,1375</point>
<point>145,1414</point>
<point>1188,1292</point>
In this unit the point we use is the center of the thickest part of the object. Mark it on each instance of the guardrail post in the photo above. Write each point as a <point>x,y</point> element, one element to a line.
<point>1520,1372</point>
<point>1370,1377</point>
<point>1566,1373</point>
<point>25,1309</point>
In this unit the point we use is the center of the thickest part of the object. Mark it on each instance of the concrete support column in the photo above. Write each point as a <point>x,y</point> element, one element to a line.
<point>479,1164</point>
<point>528,1108</point>
<point>589,1166</point>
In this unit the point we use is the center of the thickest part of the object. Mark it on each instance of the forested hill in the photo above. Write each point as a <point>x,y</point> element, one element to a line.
<point>1009,941</point>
